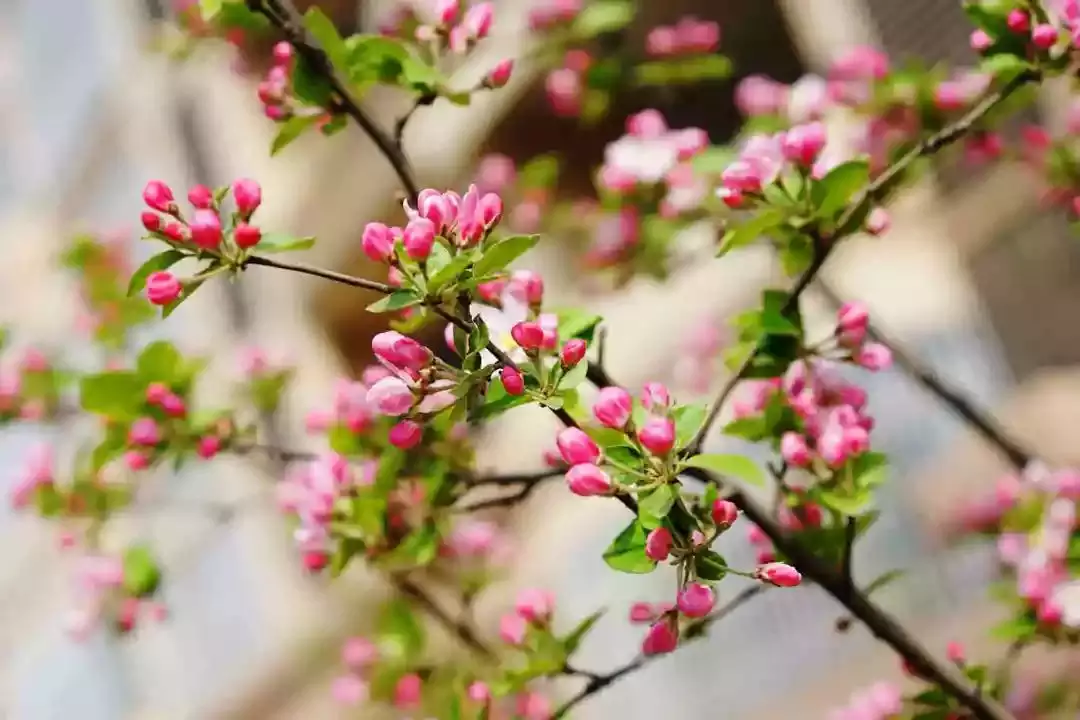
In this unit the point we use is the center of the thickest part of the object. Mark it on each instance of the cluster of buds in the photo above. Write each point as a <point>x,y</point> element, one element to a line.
<point>476,543</point>
<point>1043,36</point>
<point>411,387</point>
<point>763,158</point>
<point>565,86</point>
<point>163,423</point>
<point>274,91</point>
<point>851,335</point>
<point>689,36</point>
<point>100,584</point>
<point>461,31</point>
<point>660,543</point>
<point>203,233</point>
<point>532,610</point>
<point>264,379</point>
<point>880,701</point>
<point>28,388</point>
<point>360,658</point>
<point>613,409</point>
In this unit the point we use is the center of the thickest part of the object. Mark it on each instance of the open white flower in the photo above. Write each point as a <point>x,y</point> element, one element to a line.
<point>648,159</point>
<point>1067,597</point>
<point>500,321</point>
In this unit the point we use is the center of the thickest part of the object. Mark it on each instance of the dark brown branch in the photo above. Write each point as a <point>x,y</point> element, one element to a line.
<point>598,682</point>
<point>284,16</point>
<point>403,121</point>
<point>983,423</point>
<point>460,628</point>
<point>321,273</point>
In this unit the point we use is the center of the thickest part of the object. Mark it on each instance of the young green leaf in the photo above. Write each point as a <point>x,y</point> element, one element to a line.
<point>322,28</point>
<point>749,231</point>
<point>730,465</point>
<point>710,566</point>
<point>573,639</point>
<point>603,16</point>
<point>282,242</point>
<point>833,192</point>
<point>501,254</point>
<point>116,394</point>
<point>141,573</point>
<point>448,273</point>
<point>291,129</point>
<point>688,420</point>
<point>159,361</point>
<point>627,551</point>
<point>398,300</point>
<point>656,505</point>
<point>575,376</point>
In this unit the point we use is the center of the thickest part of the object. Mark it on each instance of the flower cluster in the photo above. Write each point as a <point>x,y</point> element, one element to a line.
<point>689,36</point>
<point>274,90</point>
<point>29,387</point>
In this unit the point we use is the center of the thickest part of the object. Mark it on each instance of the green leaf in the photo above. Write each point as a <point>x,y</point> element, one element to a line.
<point>48,501</point>
<point>159,361</point>
<point>1018,628</point>
<point>448,273</point>
<point>845,501</point>
<point>657,504</point>
<point>323,30</point>
<point>710,565</point>
<point>573,639</point>
<point>283,242</point>
<point>291,129</point>
<point>1005,66</point>
<point>159,262</point>
<point>188,290</point>
<point>117,394</point>
<point>375,58</point>
<point>209,9</point>
<point>577,324</point>
<point>713,160</point>
<point>627,551</point>
<point>501,254</point>
<point>141,573</point>
<point>309,84</point>
<point>401,635</point>
<point>603,16</point>
<point>235,14</point>
<point>749,231</point>
<point>688,420</point>
<point>833,192</point>
<point>869,470</point>
<point>575,376</point>
<point>882,580</point>
<point>739,467</point>
<point>498,401</point>
<point>397,300</point>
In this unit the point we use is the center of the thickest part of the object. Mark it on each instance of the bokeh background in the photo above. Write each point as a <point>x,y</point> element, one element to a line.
<point>976,280</point>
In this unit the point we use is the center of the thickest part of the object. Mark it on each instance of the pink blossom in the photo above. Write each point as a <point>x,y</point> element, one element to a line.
<point>662,638</point>
<point>535,605</point>
<point>724,513</point>
<point>613,407</point>
<point>696,600</point>
<point>359,653</point>
<point>512,629</point>
<point>586,480</point>
<point>391,396</point>
<point>657,435</point>
<point>779,574</point>
<point>349,690</point>
<point>658,544</point>
<point>407,691</point>
<point>576,447</point>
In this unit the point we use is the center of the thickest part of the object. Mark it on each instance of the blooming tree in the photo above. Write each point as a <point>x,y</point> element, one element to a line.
<point>397,485</point>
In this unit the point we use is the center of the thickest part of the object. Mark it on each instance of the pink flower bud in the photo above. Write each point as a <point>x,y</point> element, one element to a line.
<point>359,653</point>
<point>479,692</point>
<point>206,229</point>
<point>655,397</point>
<point>315,560</point>
<point>658,544</point>
<point>529,335</point>
<point>201,197</point>
<point>400,352</point>
<point>1044,36</point>
<point>853,317</point>
<point>873,356</point>
<point>500,75</point>
<point>159,196</point>
<point>176,232</point>
<point>535,605</point>
<point>803,143</point>
<point>662,638</point>
<point>419,238</point>
<point>586,480</point>
<point>246,236</point>
<point>478,20</point>
<point>144,431</point>
<point>954,651</point>
<point>572,353</point>
<point>378,242</point>
<point>283,53</point>
<point>248,196</point>
<point>878,221</point>
<point>490,209</point>
<point>150,220</point>
<point>156,393</point>
<point>576,447</point>
<point>406,435</point>
<point>162,287</point>
<point>208,446</point>
<point>642,612</point>
<point>173,405</point>
<point>657,435</point>
<point>391,396</point>
<point>446,11</point>
<point>613,407</point>
<point>407,691</point>
<point>980,41</point>
<point>349,690</point>
<point>696,600</point>
<point>1018,21</point>
<point>531,285</point>
<point>135,460</point>
<point>512,381</point>
<point>724,513</point>
<point>512,629</point>
<point>794,449</point>
<point>779,574</point>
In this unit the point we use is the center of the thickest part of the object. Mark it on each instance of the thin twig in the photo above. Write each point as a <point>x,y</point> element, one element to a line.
<point>597,682</point>
<point>321,273</point>
<point>460,628</point>
<point>983,422</point>
<point>873,192</point>
<point>403,121</point>
<point>283,15</point>
<point>851,530</point>
<point>518,479</point>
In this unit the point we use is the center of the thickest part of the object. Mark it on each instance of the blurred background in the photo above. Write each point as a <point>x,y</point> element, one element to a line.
<point>975,279</point>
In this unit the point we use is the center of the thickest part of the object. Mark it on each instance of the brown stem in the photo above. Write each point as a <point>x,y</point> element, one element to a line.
<point>461,629</point>
<point>983,423</point>
<point>321,273</point>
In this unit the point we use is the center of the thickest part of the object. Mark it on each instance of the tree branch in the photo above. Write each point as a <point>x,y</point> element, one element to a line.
<point>461,629</point>
<point>597,683</point>
<point>321,273</point>
<point>983,423</point>
<point>284,16</point>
